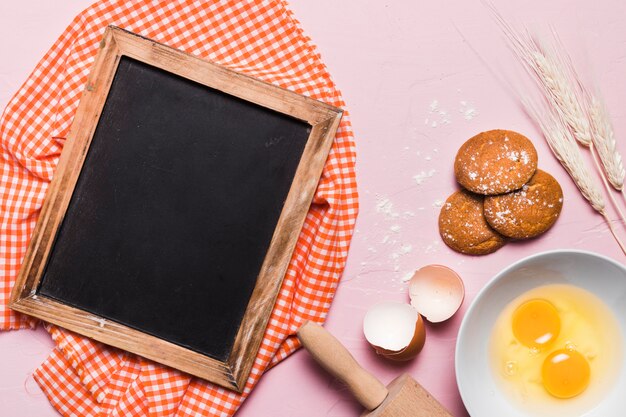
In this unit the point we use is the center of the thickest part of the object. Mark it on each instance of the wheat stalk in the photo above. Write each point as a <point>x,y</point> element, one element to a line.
<point>566,151</point>
<point>570,116</point>
<point>597,120</point>
<point>556,76</point>
<point>551,71</point>
<point>563,145</point>
<point>604,141</point>
<point>559,80</point>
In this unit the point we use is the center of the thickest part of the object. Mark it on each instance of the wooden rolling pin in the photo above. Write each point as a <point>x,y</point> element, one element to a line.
<point>403,397</point>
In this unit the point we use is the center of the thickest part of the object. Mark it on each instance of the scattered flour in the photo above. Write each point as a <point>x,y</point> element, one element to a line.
<point>407,276</point>
<point>437,115</point>
<point>385,207</point>
<point>396,255</point>
<point>468,111</point>
<point>432,247</point>
<point>423,176</point>
<point>438,203</point>
<point>404,249</point>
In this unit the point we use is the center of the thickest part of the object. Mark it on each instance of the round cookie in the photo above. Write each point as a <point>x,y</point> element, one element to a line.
<point>495,162</point>
<point>529,211</point>
<point>463,227</point>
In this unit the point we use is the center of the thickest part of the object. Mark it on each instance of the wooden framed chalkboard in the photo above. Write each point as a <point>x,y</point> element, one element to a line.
<point>175,208</point>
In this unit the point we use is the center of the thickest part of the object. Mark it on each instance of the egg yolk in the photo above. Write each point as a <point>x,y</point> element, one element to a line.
<point>536,323</point>
<point>565,373</point>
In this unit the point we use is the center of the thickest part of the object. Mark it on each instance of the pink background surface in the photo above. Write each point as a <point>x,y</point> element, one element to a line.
<point>419,78</point>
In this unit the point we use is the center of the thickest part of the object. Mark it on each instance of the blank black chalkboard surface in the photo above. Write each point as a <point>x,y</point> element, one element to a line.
<point>175,208</point>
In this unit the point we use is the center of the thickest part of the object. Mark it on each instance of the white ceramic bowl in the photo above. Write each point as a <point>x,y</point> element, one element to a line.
<point>598,274</point>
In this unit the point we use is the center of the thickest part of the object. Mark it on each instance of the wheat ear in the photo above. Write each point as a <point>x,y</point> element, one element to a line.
<point>553,70</point>
<point>607,159</point>
<point>574,106</point>
<point>604,140</point>
<point>565,149</point>
<point>550,71</point>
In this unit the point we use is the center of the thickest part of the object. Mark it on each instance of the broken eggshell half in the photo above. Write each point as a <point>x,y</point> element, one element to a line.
<point>395,330</point>
<point>436,292</point>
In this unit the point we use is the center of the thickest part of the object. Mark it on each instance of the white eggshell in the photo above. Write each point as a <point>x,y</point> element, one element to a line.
<point>436,292</point>
<point>390,326</point>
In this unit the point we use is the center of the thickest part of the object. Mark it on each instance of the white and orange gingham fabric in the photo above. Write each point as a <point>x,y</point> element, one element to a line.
<point>260,38</point>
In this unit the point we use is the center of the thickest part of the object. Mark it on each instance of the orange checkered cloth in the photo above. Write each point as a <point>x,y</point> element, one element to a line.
<point>260,38</point>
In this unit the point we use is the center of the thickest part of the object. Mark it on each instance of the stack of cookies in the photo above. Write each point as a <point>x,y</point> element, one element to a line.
<point>505,196</point>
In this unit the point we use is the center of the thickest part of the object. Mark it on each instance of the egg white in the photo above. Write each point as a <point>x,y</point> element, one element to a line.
<point>587,325</point>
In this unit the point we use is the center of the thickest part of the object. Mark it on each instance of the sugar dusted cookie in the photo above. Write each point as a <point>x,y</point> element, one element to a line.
<point>527,212</point>
<point>495,162</point>
<point>463,227</point>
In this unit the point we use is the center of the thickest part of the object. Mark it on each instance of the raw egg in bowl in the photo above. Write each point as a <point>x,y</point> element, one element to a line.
<point>545,337</point>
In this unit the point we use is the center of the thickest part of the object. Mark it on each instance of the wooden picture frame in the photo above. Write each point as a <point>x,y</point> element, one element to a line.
<point>323,120</point>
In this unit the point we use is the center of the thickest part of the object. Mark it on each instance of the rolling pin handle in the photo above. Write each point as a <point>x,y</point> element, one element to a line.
<point>335,358</point>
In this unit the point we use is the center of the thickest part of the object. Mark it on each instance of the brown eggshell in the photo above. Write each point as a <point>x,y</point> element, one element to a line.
<point>414,347</point>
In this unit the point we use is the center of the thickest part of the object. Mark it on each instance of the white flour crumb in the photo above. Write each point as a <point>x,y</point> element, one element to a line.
<point>468,111</point>
<point>432,247</point>
<point>385,207</point>
<point>395,228</point>
<point>437,115</point>
<point>423,176</point>
<point>445,118</point>
<point>428,158</point>
<point>407,277</point>
<point>525,157</point>
<point>385,239</point>
<point>408,214</point>
<point>404,249</point>
<point>438,203</point>
<point>401,251</point>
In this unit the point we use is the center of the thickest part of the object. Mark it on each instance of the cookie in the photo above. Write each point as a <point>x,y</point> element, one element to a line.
<point>529,211</point>
<point>495,162</point>
<point>463,227</point>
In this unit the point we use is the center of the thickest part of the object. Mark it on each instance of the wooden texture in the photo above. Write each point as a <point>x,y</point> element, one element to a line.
<point>233,371</point>
<point>174,210</point>
<point>407,398</point>
<point>335,358</point>
<point>403,397</point>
